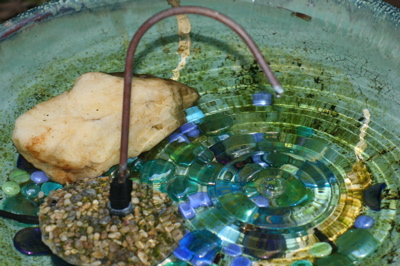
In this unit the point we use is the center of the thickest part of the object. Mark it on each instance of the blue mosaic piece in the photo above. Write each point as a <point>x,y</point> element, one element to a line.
<point>262,99</point>
<point>190,129</point>
<point>194,114</point>
<point>187,210</point>
<point>200,199</point>
<point>178,136</point>
<point>182,253</point>
<point>241,261</point>
<point>232,250</point>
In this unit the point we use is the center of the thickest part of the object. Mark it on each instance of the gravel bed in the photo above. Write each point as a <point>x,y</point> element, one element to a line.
<point>76,225</point>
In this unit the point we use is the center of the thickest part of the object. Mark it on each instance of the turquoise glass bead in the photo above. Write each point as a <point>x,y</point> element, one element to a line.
<point>19,176</point>
<point>217,124</point>
<point>180,187</point>
<point>357,244</point>
<point>305,131</point>
<point>320,250</point>
<point>184,154</point>
<point>204,173</point>
<point>19,204</point>
<point>157,171</point>
<point>10,188</point>
<point>301,263</point>
<point>30,190</point>
<point>50,186</point>
<point>335,259</point>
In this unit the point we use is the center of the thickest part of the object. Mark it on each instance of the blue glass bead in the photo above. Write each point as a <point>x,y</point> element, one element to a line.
<point>29,242</point>
<point>262,99</point>
<point>190,130</point>
<point>50,186</point>
<point>364,222</point>
<point>232,250</point>
<point>182,253</point>
<point>180,187</point>
<point>260,201</point>
<point>357,244</point>
<point>178,137</point>
<point>22,163</point>
<point>200,199</point>
<point>194,114</point>
<point>187,210</point>
<point>372,196</point>
<point>301,263</point>
<point>30,190</point>
<point>157,171</point>
<point>39,177</point>
<point>241,261</point>
<point>305,131</point>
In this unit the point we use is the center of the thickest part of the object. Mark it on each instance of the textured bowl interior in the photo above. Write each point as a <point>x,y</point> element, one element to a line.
<point>344,60</point>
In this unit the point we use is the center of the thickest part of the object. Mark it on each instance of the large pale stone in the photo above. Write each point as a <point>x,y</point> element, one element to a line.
<point>77,133</point>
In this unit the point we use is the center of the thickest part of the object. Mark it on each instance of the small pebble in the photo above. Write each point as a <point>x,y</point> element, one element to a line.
<point>39,177</point>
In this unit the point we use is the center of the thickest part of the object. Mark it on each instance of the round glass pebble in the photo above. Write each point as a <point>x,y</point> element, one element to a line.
<point>10,188</point>
<point>30,190</point>
<point>29,242</point>
<point>39,177</point>
<point>50,186</point>
<point>301,263</point>
<point>320,250</point>
<point>364,222</point>
<point>19,176</point>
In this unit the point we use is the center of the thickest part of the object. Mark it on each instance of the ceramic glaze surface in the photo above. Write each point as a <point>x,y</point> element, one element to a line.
<point>333,67</point>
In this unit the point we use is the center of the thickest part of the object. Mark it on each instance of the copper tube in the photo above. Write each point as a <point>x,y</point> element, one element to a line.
<point>129,63</point>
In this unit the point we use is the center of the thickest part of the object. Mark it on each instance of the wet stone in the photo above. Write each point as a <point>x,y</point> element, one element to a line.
<point>89,192</point>
<point>357,244</point>
<point>364,222</point>
<point>76,198</point>
<point>30,190</point>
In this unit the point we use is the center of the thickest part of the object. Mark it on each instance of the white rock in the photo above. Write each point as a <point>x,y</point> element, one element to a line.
<point>77,133</point>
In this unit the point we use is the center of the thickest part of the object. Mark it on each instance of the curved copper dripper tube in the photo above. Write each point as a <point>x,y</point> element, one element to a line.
<point>120,190</point>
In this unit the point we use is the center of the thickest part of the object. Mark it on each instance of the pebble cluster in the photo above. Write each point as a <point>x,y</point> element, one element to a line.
<point>76,225</point>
